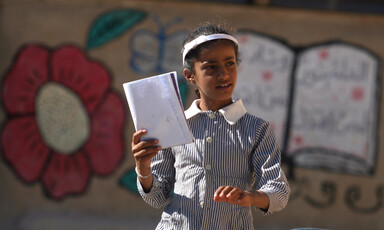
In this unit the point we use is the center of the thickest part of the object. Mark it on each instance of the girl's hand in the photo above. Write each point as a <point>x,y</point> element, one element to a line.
<point>143,151</point>
<point>234,195</point>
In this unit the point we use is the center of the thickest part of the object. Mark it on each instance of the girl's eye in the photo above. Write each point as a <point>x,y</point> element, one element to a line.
<point>209,67</point>
<point>230,63</point>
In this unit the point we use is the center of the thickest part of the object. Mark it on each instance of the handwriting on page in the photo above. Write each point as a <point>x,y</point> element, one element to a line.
<point>155,106</point>
<point>333,86</point>
<point>264,79</point>
<point>322,100</point>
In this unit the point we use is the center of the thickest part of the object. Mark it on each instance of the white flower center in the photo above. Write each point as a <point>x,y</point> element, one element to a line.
<point>62,118</point>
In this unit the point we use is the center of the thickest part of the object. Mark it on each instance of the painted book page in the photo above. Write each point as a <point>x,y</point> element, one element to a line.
<point>335,109</point>
<point>264,79</point>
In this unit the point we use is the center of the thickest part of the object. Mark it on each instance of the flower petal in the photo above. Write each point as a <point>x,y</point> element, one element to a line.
<point>89,79</point>
<point>24,148</point>
<point>66,174</point>
<point>105,145</point>
<point>21,83</point>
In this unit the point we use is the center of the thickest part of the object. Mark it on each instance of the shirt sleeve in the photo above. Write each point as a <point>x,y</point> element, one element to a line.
<point>270,178</point>
<point>163,173</point>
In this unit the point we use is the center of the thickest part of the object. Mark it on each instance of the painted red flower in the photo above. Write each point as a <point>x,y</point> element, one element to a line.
<point>64,122</point>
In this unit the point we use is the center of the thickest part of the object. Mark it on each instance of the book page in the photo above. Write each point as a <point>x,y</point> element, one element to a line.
<point>264,79</point>
<point>334,110</point>
<point>155,106</point>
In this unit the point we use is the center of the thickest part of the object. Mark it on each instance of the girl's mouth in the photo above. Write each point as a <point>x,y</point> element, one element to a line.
<point>224,86</point>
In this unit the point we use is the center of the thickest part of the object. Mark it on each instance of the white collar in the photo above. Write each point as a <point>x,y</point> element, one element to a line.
<point>232,113</point>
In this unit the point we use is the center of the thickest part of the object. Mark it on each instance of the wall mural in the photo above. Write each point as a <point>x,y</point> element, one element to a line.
<point>323,103</point>
<point>156,52</point>
<point>65,123</point>
<point>267,63</point>
<point>352,197</point>
<point>322,100</point>
<point>334,120</point>
<point>346,73</point>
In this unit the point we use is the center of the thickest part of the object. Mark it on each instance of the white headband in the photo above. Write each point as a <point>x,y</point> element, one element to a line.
<point>204,38</point>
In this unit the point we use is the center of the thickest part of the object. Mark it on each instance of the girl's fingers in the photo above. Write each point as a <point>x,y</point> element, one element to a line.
<point>218,191</point>
<point>221,194</point>
<point>228,194</point>
<point>137,135</point>
<point>236,197</point>
<point>234,192</point>
<point>233,195</point>
<point>138,145</point>
<point>144,145</point>
<point>147,151</point>
<point>144,151</point>
<point>226,191</point>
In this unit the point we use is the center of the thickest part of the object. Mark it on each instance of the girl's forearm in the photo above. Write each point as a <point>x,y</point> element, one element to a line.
<point>145,178</point>
<point>260,200</point>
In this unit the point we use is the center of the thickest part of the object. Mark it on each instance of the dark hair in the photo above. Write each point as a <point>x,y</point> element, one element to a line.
<point>206,29</point>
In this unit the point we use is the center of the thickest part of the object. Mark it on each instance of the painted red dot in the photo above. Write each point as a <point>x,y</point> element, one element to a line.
<point>323,54</point>
<point>298,140</point>
<point>267,75</point>
<point>357,93</point>
<point>243,38</point>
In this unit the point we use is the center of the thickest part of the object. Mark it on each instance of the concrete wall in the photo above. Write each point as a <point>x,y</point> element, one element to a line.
<point>65,62</point>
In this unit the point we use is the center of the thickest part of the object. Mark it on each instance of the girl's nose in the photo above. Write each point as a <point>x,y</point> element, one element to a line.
<point>222,73</point>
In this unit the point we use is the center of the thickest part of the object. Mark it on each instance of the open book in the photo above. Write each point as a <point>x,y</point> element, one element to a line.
<point>156,106</point>
<point>322,100</point>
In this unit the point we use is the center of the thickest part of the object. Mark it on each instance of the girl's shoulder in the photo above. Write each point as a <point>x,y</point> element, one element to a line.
<point>253,119</point>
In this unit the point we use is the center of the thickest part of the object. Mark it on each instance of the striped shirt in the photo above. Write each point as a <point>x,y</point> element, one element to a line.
<point>231,147</point>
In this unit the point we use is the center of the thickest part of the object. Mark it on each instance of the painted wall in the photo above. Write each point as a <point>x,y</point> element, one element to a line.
<point>66,128</point>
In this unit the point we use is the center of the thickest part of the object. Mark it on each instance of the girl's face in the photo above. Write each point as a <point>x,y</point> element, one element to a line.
<point>215,74</point>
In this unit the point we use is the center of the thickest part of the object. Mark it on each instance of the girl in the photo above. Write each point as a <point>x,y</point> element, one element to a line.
<point>234,162</point>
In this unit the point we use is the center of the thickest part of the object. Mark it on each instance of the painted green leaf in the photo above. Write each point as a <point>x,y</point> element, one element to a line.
<point>183,88</point>
<point>128,181</point>
<point>111,25</point>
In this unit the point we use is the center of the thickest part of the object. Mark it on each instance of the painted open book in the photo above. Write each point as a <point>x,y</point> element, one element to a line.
<point>322,100</point>
<point>156,106</point>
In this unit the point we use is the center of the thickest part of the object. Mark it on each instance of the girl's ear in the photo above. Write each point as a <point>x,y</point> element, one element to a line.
<point>189,76</point>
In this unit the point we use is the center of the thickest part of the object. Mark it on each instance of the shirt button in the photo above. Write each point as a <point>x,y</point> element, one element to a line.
<point>212,115</point>
<point>209,139</point>
<point>208,167</point>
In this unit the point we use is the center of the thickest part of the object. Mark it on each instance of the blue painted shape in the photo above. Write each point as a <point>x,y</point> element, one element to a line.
<point>156,52</point>
<point>159,52</point>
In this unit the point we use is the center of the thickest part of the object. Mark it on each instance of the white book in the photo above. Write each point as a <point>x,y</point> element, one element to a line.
<point>322,100</point>
<point>156,106</point>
